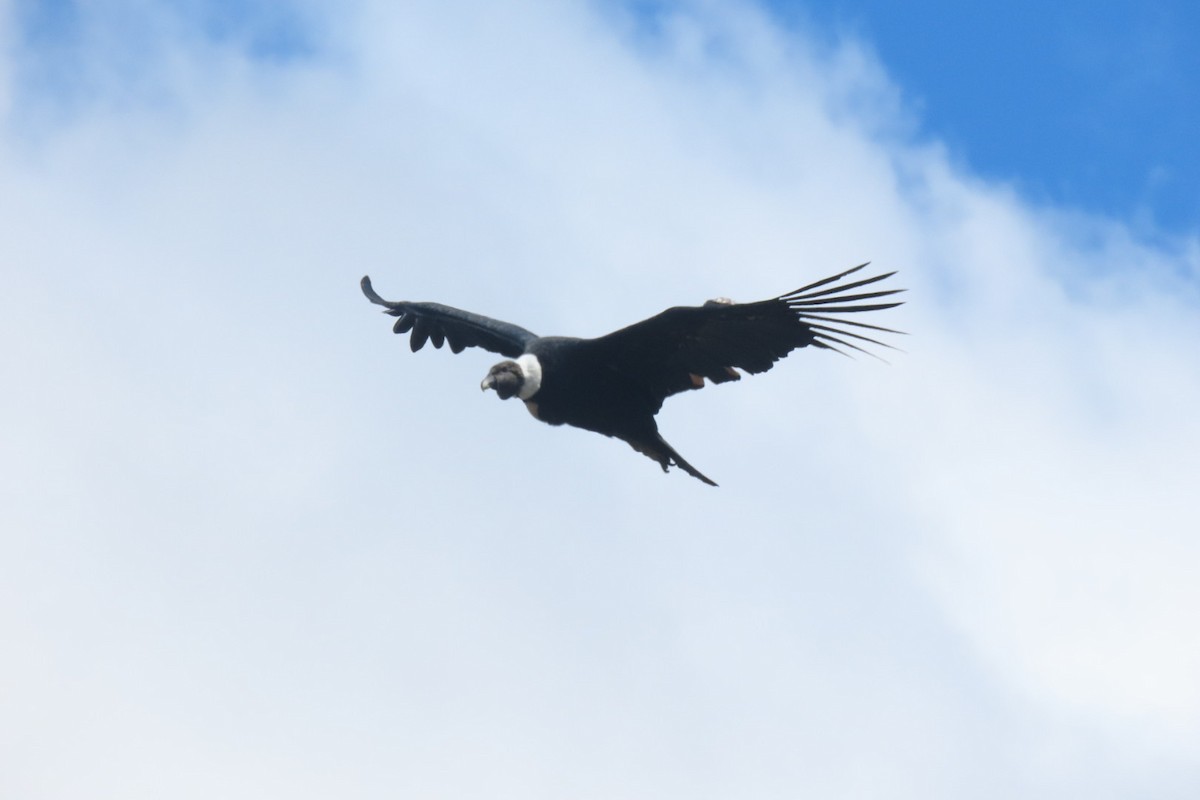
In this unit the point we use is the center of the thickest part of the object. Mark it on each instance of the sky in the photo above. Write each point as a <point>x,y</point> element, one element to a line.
<point>1091,105</point>
<point>251,546</point>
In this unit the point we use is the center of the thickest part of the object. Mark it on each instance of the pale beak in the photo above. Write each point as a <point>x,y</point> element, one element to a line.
<point>488,383</point>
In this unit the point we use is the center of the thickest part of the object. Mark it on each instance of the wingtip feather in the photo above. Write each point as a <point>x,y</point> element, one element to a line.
<point>817,301</point>
<point>372,295</point>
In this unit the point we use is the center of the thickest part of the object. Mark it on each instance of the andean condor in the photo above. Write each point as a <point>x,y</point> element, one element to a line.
<point>615,384</point>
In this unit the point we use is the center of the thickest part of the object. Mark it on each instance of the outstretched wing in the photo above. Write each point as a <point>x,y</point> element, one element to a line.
<point>675,350</point>
<point>434,322</point>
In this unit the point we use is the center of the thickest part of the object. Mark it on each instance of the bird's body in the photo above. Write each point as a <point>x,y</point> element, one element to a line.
<point>616,384</point>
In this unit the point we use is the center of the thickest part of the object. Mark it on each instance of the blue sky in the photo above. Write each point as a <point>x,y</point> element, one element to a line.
<point>251,546</point>
<point>1090,105</point>
<point>263,29</point>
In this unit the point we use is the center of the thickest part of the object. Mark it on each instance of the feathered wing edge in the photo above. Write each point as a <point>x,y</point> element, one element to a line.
<point>813,303</point>
<point>439,324</point>
<point>373,295</point>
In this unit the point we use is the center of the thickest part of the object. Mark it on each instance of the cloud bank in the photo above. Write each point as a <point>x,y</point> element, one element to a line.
<point>253,547</point>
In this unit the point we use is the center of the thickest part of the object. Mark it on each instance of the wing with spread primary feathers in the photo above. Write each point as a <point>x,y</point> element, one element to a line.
<point>436,323</point>
<point>675,350</point>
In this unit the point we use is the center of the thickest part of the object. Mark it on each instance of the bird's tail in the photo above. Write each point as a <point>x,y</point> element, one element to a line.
<point>656,448</point>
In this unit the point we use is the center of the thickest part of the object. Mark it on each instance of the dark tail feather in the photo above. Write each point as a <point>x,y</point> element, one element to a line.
<point>666,456</point>
<point>689,469</point>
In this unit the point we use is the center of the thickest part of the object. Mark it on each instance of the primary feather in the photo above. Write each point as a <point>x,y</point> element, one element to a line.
<point>460,329</point>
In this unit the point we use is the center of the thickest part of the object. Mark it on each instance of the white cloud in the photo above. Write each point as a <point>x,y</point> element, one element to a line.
<point>254,547</point>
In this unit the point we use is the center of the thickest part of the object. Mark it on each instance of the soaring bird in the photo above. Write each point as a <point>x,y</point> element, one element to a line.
<point>616,384</point>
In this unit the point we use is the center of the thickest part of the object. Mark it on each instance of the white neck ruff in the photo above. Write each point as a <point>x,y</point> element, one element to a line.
<point>531,372</point>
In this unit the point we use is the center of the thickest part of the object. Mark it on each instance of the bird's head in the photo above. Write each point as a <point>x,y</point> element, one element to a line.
<point>505,378</point>
<point>521,378</point>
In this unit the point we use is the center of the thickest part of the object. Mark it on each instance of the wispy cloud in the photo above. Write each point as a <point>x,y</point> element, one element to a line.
<point>67,60</point>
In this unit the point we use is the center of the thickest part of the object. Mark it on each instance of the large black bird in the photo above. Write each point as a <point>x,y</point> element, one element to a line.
<point>615,384</point>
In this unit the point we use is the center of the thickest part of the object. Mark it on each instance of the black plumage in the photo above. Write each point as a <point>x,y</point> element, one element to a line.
<point>616,384</point>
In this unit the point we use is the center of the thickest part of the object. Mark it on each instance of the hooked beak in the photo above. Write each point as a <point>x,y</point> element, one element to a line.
<point>488,383</point>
